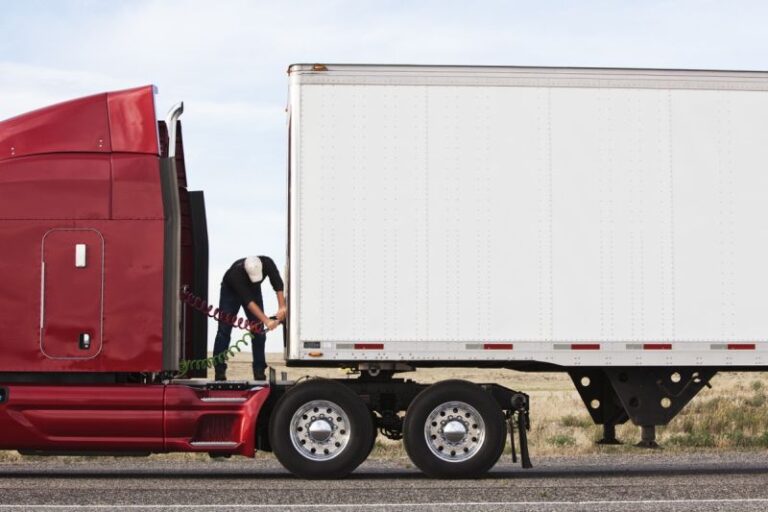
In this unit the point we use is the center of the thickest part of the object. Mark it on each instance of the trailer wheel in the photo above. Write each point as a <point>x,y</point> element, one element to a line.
<point>454,429</point>
<point>321,429</point>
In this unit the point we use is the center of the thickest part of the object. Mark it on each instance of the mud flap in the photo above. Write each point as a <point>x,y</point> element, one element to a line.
<point>519,414</point>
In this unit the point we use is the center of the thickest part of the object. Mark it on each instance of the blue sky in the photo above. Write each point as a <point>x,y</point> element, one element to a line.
<point>227,60</point>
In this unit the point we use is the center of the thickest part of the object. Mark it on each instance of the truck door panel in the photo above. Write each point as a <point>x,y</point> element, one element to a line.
<point>72,294</point>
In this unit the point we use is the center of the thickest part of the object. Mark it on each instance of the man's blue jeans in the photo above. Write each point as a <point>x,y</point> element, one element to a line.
<point>230,303</point>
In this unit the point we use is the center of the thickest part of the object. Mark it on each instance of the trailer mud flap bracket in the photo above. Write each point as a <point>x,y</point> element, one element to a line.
<point>518,416</point>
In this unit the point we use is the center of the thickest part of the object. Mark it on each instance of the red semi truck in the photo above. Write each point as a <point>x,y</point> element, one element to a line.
<point>582,231</point>
<point>100,235</point>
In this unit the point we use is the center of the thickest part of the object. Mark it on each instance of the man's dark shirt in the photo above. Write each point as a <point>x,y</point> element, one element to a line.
<point>237,279</point>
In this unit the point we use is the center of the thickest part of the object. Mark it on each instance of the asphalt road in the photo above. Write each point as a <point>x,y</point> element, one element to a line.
<point>649,481</point>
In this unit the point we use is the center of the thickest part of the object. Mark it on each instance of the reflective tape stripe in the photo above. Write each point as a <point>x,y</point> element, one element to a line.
<point>369,346</point>
<point>576,346</point>
<point>489,346</point>
<point>649,346</point>
<point>359,346</point>
<point>657,346</point>
<point>732,346</point>
<point>555,346</point>
<point>741,346</point>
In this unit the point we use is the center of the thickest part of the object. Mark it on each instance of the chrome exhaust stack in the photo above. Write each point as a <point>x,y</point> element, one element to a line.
<point>171,120</point>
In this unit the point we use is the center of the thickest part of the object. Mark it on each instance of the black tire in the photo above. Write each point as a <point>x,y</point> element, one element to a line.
<point>481,444</point>
<point>350,437</point>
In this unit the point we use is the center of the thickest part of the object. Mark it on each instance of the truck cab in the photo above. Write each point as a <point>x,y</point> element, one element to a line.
<point>99,235</point>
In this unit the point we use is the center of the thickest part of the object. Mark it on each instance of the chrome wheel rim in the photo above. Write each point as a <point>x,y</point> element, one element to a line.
<point>454,431</point>
<point>320,430</point>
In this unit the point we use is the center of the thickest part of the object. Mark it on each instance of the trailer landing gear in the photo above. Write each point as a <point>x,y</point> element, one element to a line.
<point>648,437</point>
<point>609,435</point>
<point>648,396</point>
<point>602,402</point>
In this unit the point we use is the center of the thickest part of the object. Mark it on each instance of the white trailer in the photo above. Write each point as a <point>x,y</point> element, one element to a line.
<point>568,216</point>
<point>608,223</point>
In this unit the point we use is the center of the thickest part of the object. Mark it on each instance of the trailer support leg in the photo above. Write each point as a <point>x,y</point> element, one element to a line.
<point>609,435</point>
<point>648,437</point>
<point>602,402</point>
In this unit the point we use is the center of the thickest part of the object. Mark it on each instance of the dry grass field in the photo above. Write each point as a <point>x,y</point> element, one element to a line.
<point>732,415</point>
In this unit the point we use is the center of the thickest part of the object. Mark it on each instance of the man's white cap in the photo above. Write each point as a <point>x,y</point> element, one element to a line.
<point>254,269</point>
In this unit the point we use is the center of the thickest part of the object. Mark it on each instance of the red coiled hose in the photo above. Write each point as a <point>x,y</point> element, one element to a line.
<point>202,306</point>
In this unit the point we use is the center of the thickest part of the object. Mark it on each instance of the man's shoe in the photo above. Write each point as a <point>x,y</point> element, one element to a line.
<point>259,375</point>
<point>221,375</point>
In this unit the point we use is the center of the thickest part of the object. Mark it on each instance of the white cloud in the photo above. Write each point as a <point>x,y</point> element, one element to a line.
<point>25,87</point>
